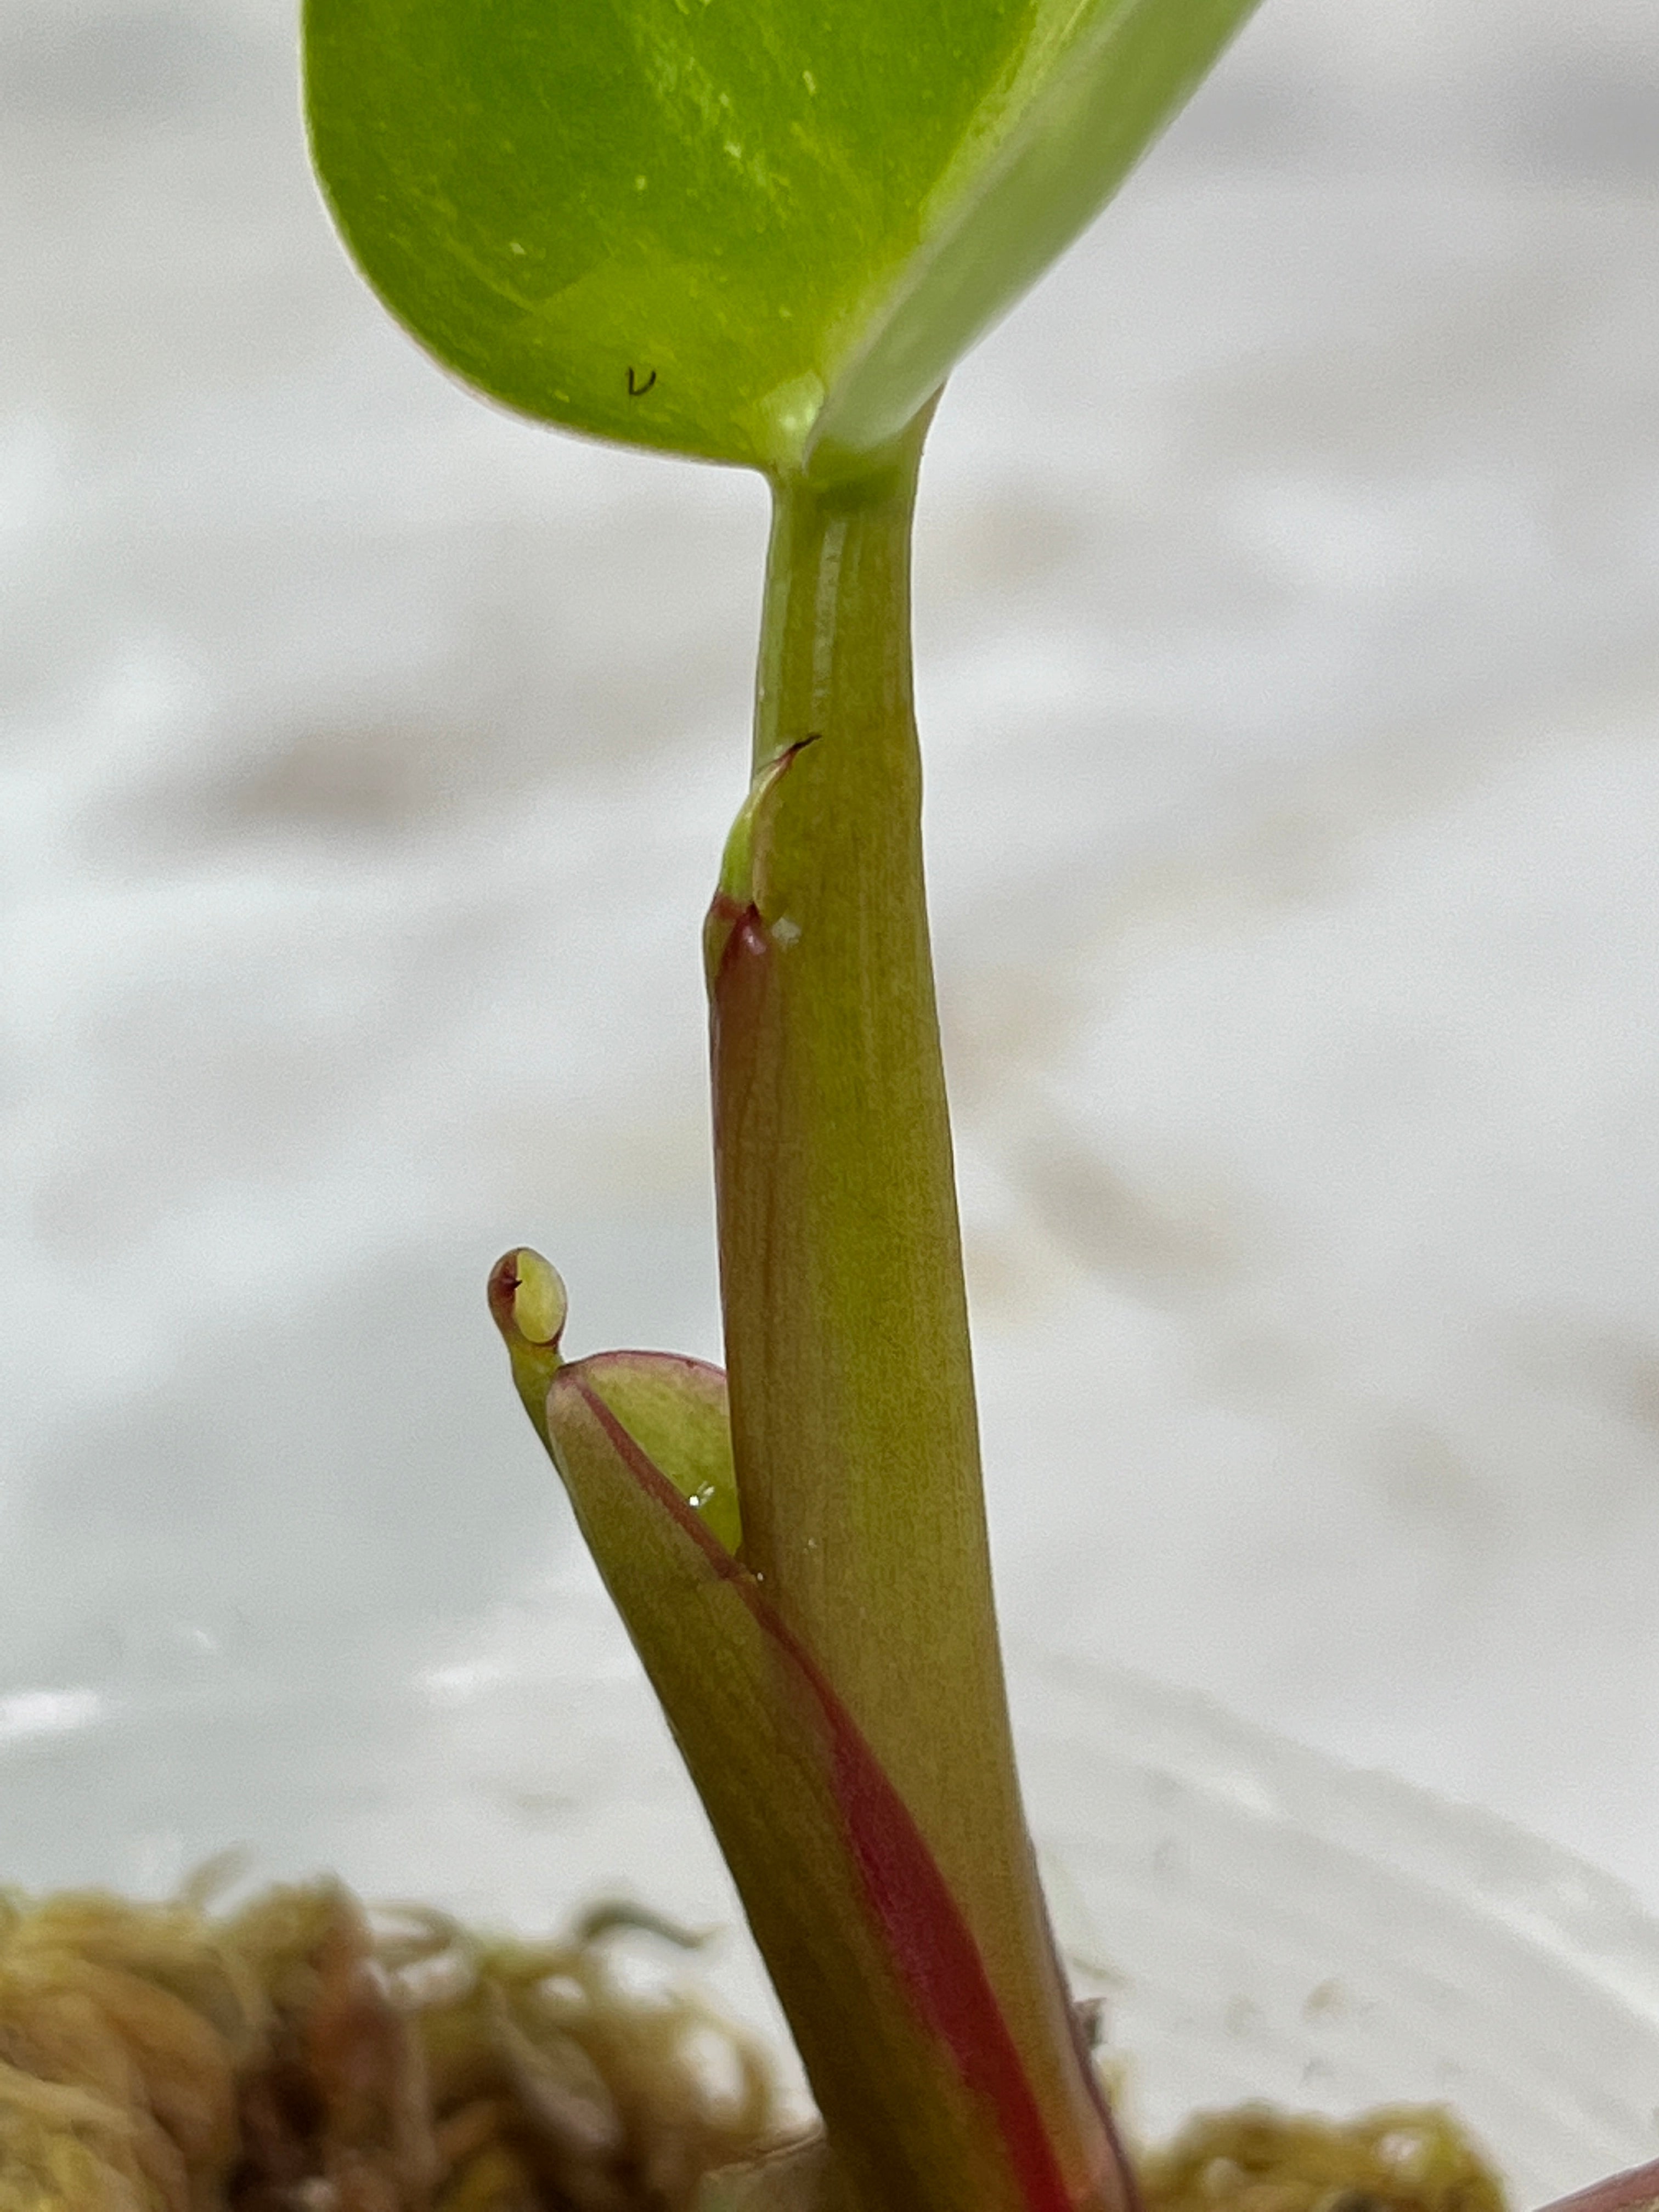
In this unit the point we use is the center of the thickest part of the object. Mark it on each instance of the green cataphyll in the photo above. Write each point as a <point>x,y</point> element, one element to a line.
<point>761,232</point>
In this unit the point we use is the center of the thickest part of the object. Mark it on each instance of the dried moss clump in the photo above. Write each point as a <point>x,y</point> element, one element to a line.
<point>294,2058</point>
<point>1400,2159</point>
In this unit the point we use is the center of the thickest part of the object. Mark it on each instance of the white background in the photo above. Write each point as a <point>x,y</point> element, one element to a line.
<point>1287,662</point>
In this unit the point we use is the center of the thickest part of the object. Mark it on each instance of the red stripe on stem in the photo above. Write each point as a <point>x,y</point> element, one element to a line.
<point>934,1955</point>
<point>1637,2189</point>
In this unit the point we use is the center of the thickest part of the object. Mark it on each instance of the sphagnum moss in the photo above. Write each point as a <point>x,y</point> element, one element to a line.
<point>300,2055</point>
<point>303,2055</point>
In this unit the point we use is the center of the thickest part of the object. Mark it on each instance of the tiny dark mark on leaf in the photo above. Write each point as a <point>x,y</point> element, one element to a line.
<point>637,391</point>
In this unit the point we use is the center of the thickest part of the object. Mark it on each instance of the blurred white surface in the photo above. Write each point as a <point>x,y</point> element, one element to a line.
<point>1286,634</point>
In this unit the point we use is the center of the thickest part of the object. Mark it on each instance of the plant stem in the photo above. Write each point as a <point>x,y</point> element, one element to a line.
<point>853,1425</point>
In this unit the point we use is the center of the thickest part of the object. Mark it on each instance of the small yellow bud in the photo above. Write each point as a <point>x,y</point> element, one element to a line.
<point>528,1302</point>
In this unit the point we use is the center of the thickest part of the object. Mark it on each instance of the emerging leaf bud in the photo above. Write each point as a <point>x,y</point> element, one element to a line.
<point>527,1294</point>
<point>528,1304</point>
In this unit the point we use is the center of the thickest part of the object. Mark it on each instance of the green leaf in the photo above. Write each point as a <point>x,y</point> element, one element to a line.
<point>748,230</point>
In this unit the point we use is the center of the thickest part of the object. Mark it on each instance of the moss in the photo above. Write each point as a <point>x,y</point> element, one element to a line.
<point>298,2056</point>
<point>1398,2159</point>
<point>301,2055</point>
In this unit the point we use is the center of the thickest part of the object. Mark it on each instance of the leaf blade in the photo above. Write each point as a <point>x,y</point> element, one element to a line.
<point>447,133</point>
<point>690,227</point>
<point>1088,117</point>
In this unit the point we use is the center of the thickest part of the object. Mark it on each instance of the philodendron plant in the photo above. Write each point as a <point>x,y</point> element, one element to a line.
<point>761,232</point>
